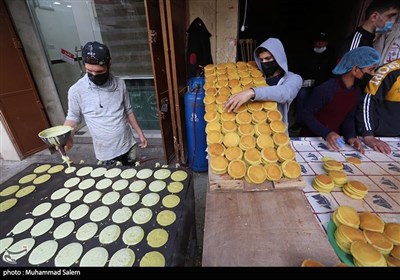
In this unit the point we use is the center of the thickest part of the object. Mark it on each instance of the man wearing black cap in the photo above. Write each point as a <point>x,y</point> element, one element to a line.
<point>317,64</point>
<point>103,101</point>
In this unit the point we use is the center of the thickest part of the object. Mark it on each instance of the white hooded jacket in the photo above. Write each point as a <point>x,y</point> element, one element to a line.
<point>288,86</point>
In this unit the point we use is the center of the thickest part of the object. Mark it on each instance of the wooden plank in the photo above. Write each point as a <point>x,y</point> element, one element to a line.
<point>224,182</point>
<point>263,229</point>
<point>286,183</point>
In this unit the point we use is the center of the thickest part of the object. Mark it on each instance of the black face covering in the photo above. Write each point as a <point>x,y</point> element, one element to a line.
<point>99,79</point>
<point>269,67</point>
<point>363,81</point>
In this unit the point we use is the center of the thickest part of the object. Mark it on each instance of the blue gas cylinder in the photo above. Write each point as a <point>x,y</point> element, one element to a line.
<point>196,125</point>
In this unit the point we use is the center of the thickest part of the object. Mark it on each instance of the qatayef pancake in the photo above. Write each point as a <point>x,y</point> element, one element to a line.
<point>100,213</point>
<point>103,184</point>
<point>175,187</point>
<point>120,185</point>
<point>171,200</point>
<point>162,174</point>
<point>113,172</point>
<point>72,182</point>
<point>28,178</point>
<point>42,227</point>
<point>121,215</point>
<point>60,210</point>
<point>144,173</point>
<point>42,168</point>
<point>128,173</point>
<point>60,193</point>
<point>68,255</point>
<point>9,190</point>
<point>110,198</point>
<point>152,259</point>
<point>124,257</point>
<point>92,197</point>
<point>22,226</point>
<point>166,218</point>
<point>133,235</point>
<point>25,191</point>
<point>79,212</point>
<point>150,199</point>
<point>98,172</point>
<point>63,230</point>
<point>142,216</point>
<point>70,169</point>
<point>20,248</point>
<point>109,234</point>
<point>86,231</point>
<point>157,237</point>
<point>74,196</point>
<point>179,176</point>
<point>84,171</point>
<point>86,184</point>
<point>41,209</point>
<point>43,252</point>
<point>137,186</point>
<point>42,179</point>
<point>130,199</point>
<point>5,243</point>
<point>97,256</point>
<point>157,186</point>
<point>56,169</point>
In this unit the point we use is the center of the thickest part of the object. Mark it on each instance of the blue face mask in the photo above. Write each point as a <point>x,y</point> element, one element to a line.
<point>386,28</point>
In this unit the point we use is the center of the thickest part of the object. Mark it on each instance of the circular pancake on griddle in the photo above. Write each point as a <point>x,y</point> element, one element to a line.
<point>27,178</point>
<point>113,172</point>
<point>137,186</point>
<point>124,257</point>
<point>162,174</point>
<point>121,215</point>
<point>157,238</point>
<point>152,259</point>
<point>60,210</point>
<point>68,255</point>
<point>56,169</point>
<point>86,231</point>
<point>9,190</point>
<point>98,172</point>
<point>39,209</point>
<point>5,243</point>
<point>133,235</point>
<point>170,201</point>
<point>166,218</point>
<point>41,179</point>
<point>42,227</point>
<point>128,173</point>
<point>100,213</point>
<point>63,230</point>
<point>25,191</point>
<point>372,222</point>
<point>142,216</point>
<point>97,256</point>
<point>22,226</point>
<point>109,234</point>
<point>41,168</point>
<point>43,252</point>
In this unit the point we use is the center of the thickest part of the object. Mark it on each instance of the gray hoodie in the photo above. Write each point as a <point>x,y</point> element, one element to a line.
<point>288,86</point>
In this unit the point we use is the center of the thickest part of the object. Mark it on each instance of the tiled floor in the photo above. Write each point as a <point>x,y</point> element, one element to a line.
<point>379,172</point>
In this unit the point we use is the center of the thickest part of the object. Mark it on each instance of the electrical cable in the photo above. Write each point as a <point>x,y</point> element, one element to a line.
<point>245,14</point>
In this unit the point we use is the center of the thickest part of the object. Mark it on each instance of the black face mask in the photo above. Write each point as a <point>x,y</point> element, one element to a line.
<point>269,67</point>
<point>363,81</point>
<point>99,79</point>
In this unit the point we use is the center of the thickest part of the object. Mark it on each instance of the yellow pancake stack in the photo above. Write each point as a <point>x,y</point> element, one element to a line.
<point>367,237</point>
<point>339,177</point>
<point>332,165</point>
<point>252,142</point>
<point>323,183</point>
<point>355,189</point>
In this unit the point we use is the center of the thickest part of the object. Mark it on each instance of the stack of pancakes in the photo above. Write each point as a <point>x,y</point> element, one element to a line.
<point>367,237</point>
<point>323,183</point>
<point>355,189</point>
<point>254,139</point>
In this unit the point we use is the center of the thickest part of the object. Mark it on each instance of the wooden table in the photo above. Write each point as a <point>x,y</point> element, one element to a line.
<point>284,227</point>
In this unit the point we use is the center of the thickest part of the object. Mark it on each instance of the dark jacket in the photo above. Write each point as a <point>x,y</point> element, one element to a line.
<point>358,38</point>
<point>198,48</point>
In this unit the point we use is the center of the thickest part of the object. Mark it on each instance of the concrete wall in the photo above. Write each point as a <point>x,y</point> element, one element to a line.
<point>221,20</point>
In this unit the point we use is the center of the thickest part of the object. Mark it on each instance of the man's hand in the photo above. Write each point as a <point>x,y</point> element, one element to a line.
<point>331,141</point>
<point>143,141</point>
<point>70,143</point>
<point>236,100</point>
<point>356,144</point>
<point>377,145</point>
